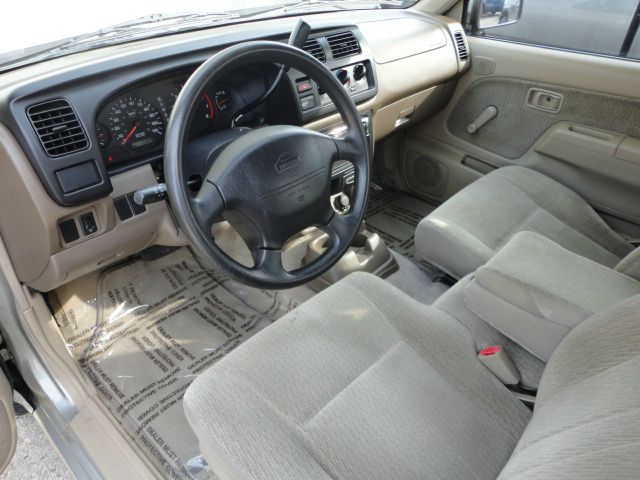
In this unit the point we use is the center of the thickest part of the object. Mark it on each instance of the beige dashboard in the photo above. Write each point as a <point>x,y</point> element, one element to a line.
<point>414,57</point>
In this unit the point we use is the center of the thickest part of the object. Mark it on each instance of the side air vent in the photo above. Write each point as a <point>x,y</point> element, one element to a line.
<point>461,45</point>
<point>58,127</point>
<point>343,44</point>
<point>313,48</point>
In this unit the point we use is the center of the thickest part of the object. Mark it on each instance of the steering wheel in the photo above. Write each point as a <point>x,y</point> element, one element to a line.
<point>271,182</point>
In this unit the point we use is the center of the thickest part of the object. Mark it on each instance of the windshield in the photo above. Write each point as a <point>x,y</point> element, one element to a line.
<point>35,30</point>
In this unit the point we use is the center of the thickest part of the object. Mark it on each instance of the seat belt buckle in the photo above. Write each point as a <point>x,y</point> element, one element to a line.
<point>498,362</point>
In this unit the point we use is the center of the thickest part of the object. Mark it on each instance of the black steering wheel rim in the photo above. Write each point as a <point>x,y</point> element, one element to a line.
<point>195,215</point>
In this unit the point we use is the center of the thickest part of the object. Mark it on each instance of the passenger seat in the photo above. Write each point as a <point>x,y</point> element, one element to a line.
<point>466,231</point>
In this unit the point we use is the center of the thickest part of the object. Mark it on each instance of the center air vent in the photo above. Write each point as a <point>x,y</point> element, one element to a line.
<point>58,128</point>
<point>461,45</point>
<point>313,48</point>
<point>343,44</point>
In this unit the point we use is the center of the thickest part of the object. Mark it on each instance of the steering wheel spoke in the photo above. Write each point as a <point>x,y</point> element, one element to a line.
<point>269,263</point>
<point>349,148</point>
<point>340,230</point>
<point>207,205</point>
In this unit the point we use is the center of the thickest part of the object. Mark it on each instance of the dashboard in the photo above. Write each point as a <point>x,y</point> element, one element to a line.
<point>135,123</point>
<point>131,125</point>
<point>79,135</point>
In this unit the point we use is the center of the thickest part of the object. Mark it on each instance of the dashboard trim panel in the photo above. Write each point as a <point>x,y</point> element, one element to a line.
<point>87,80</point>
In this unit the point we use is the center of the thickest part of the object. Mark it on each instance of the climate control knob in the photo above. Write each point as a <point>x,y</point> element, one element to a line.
<point>343,76</point>
<point>359,71</point>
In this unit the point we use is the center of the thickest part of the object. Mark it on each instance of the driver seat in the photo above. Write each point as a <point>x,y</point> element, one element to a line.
<point>363,382</point>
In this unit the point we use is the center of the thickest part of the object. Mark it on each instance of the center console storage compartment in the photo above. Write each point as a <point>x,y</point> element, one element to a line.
<point>534,291</point>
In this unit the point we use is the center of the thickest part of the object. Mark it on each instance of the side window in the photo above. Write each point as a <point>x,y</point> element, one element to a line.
<point>606,27</point>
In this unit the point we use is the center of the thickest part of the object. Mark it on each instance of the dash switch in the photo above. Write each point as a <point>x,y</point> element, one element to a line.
<point>88,223</point>
<point>69,230</point>
<point>123,208</point>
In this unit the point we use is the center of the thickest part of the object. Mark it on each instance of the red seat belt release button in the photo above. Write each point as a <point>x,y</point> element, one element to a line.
<point>493,350</point>
<point>498,362</point>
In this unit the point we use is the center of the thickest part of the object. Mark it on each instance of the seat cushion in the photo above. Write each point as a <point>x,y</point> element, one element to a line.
<point>360,382</point>
<point>466,230</point>
<point>586,423</point>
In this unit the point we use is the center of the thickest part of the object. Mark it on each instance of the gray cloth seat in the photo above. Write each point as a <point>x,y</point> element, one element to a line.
<point>362,382</point>
<point>465,231</point>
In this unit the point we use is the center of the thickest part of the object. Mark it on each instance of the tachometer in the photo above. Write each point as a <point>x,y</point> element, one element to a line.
<point>203,115</point>
<point>135,123</point>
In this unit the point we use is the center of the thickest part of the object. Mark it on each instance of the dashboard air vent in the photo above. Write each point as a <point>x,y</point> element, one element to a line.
<point>58,127</point>
<point>343,44</point>
<point>314,48</point>
<point>461,45</point>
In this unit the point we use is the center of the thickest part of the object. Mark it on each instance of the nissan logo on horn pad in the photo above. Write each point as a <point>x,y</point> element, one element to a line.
<point>288,163</point>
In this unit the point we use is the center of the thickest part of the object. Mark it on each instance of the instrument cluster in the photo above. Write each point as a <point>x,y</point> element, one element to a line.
<point>133,125</point>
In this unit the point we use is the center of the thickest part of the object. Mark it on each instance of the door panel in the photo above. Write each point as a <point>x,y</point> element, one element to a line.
<point>517,126</point>
<point>594,95</point>
<point>7,423</point>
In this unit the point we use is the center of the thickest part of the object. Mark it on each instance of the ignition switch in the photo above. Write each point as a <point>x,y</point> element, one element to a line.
<point>341,202</point>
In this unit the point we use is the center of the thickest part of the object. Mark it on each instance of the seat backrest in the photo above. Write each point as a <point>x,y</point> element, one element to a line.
<point>586,423</point>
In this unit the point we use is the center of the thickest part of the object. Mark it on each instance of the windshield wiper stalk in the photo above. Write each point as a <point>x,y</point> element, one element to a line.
<point>297,39</point>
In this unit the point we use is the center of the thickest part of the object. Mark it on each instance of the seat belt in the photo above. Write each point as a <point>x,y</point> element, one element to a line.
<point>498,362</point>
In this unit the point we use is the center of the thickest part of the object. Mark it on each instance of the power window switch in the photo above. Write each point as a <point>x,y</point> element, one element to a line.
<point>88,223</point>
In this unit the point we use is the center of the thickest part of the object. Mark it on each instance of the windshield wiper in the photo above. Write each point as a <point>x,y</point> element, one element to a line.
<point>148,23</point>
<point>137,28</point>
<point>300,6</point>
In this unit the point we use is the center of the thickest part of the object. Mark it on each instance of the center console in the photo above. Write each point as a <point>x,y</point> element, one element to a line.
<point>368,253</point>
<point>345,52</point>
<point>535,292</point>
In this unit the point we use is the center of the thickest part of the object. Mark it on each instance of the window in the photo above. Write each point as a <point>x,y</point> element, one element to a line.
<point>606,27</point>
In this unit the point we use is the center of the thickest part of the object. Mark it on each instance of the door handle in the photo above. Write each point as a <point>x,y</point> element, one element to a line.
<point>545,100</point>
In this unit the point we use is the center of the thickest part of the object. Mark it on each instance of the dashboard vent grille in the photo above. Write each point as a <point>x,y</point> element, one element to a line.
<point>343,44</point>
<point>314,48</point>
<point>461,45</point>
<point>58,127</point>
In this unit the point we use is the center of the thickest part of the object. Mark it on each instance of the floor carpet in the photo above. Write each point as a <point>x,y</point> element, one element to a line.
<point>394,216</point>
<point>143,331</point>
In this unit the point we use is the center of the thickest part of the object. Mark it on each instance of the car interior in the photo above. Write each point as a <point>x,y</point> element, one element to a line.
<point>370,243</point>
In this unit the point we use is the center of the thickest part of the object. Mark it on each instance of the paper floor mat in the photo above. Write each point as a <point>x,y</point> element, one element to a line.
<point>394,216</point>
<point>142,332</point>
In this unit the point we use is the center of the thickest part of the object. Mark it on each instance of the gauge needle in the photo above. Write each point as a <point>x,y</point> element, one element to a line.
<point>128,136</point>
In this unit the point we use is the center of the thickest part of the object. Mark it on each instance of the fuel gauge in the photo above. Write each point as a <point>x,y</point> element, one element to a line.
<point>102,134</point>
<point>224,99</point>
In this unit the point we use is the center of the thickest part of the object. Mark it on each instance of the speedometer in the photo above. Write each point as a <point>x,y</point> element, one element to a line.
<point>135,123</point>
